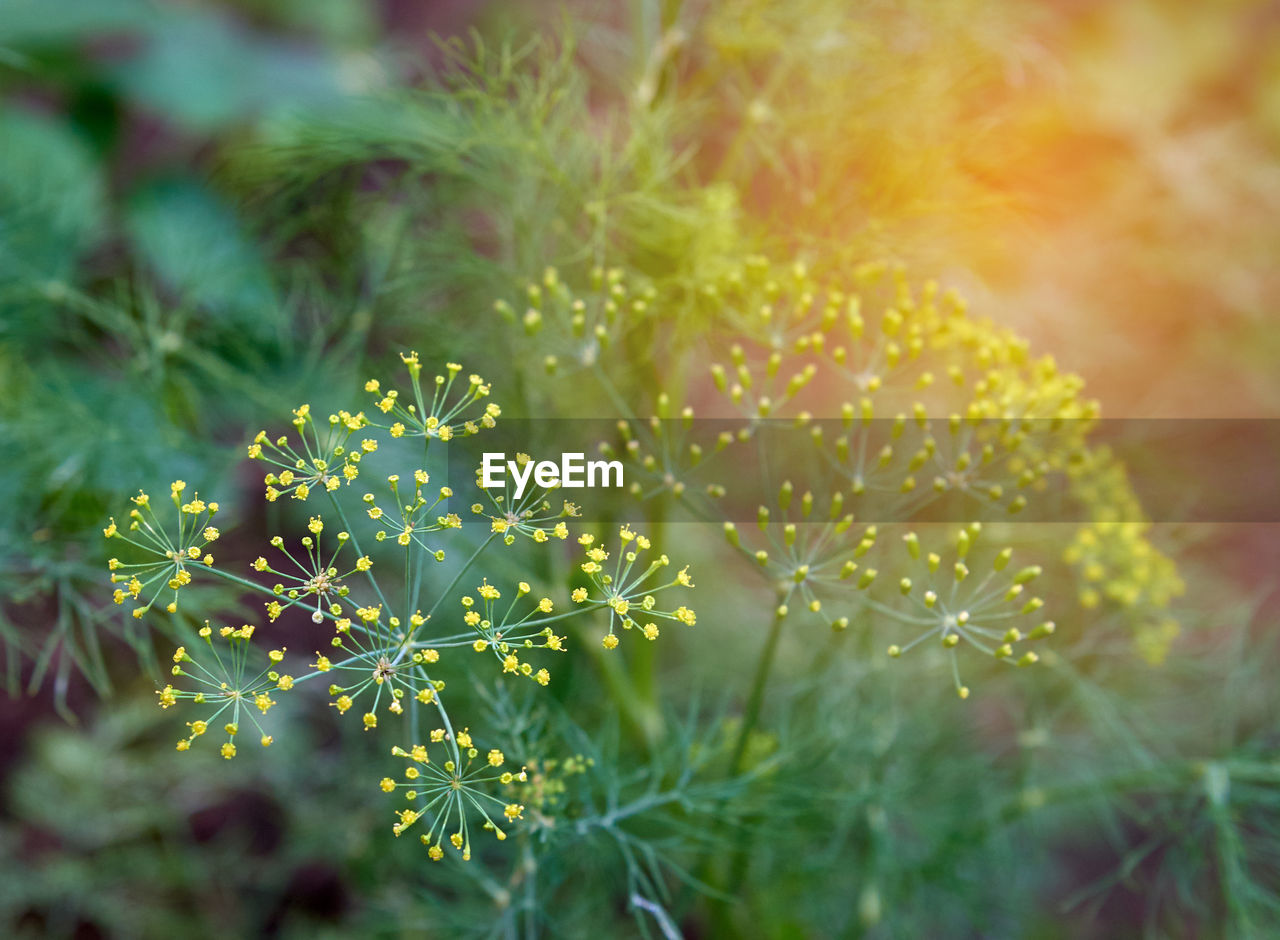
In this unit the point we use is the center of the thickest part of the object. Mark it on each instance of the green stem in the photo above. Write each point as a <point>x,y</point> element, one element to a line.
<point>461,571</point>
<point>642,716</point>
<point>755,699</point>
<point>643,661</point>
<point>245,582</point>
<point>355,544</point>
<point>720,909</point>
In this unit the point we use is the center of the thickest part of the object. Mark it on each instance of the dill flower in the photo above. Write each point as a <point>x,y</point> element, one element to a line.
<point>762,392</point>
<point>317,581</point>
<point>1118,565</point>
<point>448,413</point>
<point>625,590</point>
<point>322,461</point>
<point>569,332</point>
<point>531,516</point>
<point>450,790</point>
<point>936,405</point>
<point>768,305</point>
<point>380,659</point>
<point>545,782</point>
<point>807,555</point>
<point>988,607</point>
<point>821,561</point>
<point>664,456</point>
<point>413,519</point>
<point>504,634</point>
<point>224,682</point>
<point>173,553</point>
<point>901,357</point>
<point>384,662</point>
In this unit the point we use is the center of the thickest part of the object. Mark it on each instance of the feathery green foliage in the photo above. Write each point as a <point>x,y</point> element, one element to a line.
<point>745,213</point>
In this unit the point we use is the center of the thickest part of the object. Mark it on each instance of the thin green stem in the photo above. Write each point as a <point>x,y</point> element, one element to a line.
<point>755,698</point>
<point>355,544</point>
<point>461,571</point>
<point>245,582</point>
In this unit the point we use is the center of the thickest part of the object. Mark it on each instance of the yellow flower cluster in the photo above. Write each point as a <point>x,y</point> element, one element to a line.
<point>543,785</point>
<point>385,660</point>
<point>325,462</point>
<point>805,554</point>
<point>172,554</point>
<point>381,656</point>
<point>451,789</point>
<point>937,402</point>
<point>445,416</point>
<point>530,516</point>
<point>505,635</point>
<point>985,606</point>
<point>225,682</point>
<point>941,412</point>
<point>625,589</point>
<point>664,455</point>
<point>317,583</point>
<point>1117,563</point>
<point>413,519</point>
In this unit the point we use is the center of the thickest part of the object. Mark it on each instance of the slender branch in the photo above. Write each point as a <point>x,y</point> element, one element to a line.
<point>355,544</point>
<point>461,571</point>
<point>755,699</point>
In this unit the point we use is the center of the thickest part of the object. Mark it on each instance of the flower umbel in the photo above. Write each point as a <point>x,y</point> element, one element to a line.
<point>625,591</point>
<point>325,460</point>
<point>225,683</point>
<point>447,413</point>
<point>172,553</point>
<point>317,582</point>
<point>505,634</point>
<point>531,515</point>
<point>414,516</point>
<point>449,793</point>
<point>988,608</point>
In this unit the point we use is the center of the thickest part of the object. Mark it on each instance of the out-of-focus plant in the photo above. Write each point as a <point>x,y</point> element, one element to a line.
<point>905,405</point>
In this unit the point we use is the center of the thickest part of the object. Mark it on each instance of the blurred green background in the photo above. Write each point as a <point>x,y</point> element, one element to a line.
<point>211,211</point>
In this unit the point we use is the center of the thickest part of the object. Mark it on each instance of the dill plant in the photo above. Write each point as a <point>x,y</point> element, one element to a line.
<point>945,414</point>
<point>385,651</point>
<point>649,274</point>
